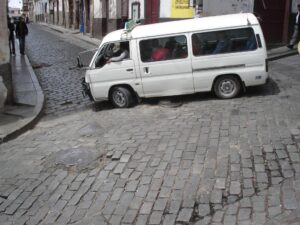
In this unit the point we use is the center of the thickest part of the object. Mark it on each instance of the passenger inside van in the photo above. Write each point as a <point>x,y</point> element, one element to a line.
<point>120,53</point>
<point>196,44</point>
<point>223,43</point>
<point>251,42</point>
<point>159,53</point>
<point>172,45</point>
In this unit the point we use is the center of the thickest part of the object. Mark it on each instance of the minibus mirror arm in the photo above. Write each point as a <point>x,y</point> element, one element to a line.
<point>79,64</point>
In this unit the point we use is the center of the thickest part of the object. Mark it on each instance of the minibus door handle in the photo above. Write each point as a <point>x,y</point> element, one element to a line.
<point>146,70</point>
<point>129,70</point>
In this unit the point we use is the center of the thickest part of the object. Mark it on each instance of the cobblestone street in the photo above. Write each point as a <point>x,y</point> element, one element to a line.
<point>54,57</point>
<point>206,161</point>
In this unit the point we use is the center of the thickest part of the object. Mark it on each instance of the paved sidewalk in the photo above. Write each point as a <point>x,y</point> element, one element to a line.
<point>75,33</point>
<point>281,52</point>
<point>28,99</point>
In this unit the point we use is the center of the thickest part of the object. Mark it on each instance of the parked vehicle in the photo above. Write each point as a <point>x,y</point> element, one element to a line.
<point>223,54</point>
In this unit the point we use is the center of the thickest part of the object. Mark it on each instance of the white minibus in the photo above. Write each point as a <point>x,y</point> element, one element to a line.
<point>222,54</point>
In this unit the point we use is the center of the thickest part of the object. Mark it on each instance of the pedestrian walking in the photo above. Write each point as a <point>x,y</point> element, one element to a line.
<point>295,37</point>
<point>21,33</point>
<point>11,38</point>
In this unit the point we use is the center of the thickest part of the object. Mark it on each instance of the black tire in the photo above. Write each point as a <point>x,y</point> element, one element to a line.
<point>227,87</point>
<point>121,97</point>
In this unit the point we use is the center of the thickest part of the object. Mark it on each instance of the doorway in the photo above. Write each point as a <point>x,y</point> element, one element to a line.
<point>272,19</point>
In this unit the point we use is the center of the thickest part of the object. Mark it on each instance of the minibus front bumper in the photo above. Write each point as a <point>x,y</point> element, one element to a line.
<point>86,91</point>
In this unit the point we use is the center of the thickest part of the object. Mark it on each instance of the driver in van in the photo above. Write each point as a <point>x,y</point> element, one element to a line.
<point>122,53</point>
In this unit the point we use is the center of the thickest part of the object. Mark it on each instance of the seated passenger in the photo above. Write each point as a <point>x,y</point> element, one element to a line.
<point>172,46</point>
<point>122,53</point>
<point>197,46</point>
<point>223,43</point>
<point>160,54</point>
<point>251,43</point>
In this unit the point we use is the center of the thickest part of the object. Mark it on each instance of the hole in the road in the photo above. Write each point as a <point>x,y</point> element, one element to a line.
<point>67,103</point>
<point>75,159</point>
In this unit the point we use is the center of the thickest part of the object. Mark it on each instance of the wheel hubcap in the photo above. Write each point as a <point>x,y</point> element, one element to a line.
<point>119,98</point>
<point>227,87</point>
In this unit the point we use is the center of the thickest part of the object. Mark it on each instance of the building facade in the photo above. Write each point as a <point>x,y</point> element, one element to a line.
<point>274,15</point>
<point>94,17</point>
<point>28,9</point>
<point>98,17</point>
<point>14,12</point>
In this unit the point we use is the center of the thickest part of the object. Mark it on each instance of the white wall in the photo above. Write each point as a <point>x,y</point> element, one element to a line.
<point>98,9</point>
<point>60,5</point>
<point>294,6</point>
<point>165,9</point>
<point>220,7</point>
<point>112,9</point>
<point>39,7</point>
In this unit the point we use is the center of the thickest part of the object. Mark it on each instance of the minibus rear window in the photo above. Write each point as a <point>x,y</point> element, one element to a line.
<point>225,41</point>
<point>166,48</point>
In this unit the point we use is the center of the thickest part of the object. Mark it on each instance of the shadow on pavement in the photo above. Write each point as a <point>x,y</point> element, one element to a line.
<point>271,88</point>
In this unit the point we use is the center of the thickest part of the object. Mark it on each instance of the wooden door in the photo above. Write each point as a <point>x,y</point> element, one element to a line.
<point>152,11</point>
<point>272,15</point>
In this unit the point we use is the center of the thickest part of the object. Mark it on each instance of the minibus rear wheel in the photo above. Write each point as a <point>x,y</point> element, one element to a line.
<point>227,86</point>
<point>121,97</point>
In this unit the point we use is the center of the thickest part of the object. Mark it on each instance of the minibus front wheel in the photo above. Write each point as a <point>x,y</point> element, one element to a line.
<point>227,86</point>
<point>121,97</point>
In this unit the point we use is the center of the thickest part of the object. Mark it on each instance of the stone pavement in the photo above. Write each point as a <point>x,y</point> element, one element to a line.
<point>206,161</point>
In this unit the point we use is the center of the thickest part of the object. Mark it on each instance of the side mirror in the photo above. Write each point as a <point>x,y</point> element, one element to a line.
<point>79,64</point>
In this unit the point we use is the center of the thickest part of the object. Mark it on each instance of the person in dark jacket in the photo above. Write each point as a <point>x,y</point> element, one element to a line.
<point>11,37</point>
<point>21,33</point>
<point>295,36</point>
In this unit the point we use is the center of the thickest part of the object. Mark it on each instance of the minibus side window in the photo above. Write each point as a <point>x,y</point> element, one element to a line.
<point>167,48</point>
<point>226,41</point>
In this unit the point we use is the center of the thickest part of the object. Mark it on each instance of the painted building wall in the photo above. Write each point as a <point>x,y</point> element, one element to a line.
<point>107,16</point>
<point>168,9</point>
<point>98,18</point>
<point>180,9</point>
<point>221,7</point>
<point>98,9</point>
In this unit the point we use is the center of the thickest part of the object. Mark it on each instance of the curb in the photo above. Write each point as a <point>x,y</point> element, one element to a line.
<point>279,56</point>
<point>26,124</point>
